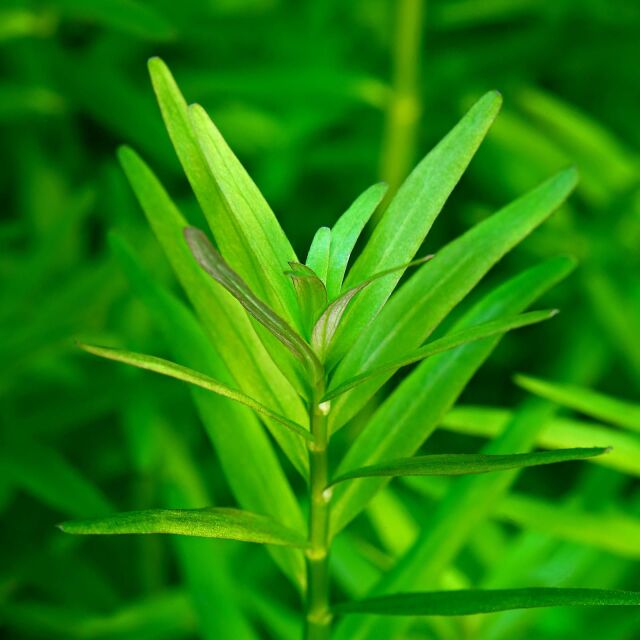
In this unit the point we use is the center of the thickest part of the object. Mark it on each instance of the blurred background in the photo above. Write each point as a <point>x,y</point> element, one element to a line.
<point>319,100</point>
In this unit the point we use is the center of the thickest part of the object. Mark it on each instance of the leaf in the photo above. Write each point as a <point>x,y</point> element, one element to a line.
<point>239,439</point>
<point>318,256</point>
<point>214,264</point>
<point>345,234</point>
<point>428,296</point>
<point>242,354</point>
<point>215,522</point>
<point>411,413</point>
<point>167,368</point>
<point>597,405</point>
<point>329,322</point>
<point>412,211</point>
<point>464,603</point>
<point>489,422</point>
<point>450,341</point>
<point>244,227</point>
<point>451,464</point>
<point>311,293</point>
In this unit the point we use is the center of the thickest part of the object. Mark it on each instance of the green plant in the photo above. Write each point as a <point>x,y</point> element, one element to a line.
<point>306,347</point>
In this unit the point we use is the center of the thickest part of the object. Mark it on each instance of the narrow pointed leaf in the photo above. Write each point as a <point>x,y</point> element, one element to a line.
<point>318,256</point>
<point>167,368</point>
<point>412,211</point>
<point>450,341</point>
<point>214,264</point>
<point>345,234</point>
<point>311,293</point>
<point>450,464</point>
<point>597,405</point>
<point>329,322</point>
<point>216,522</point>
<point>471,602</point>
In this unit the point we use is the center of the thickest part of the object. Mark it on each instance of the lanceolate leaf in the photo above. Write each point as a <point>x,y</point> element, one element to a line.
<point>318,257</point>
<point>166,368</point>
<point>345,234</point>
<point>464,603</point>
<point>449,341</point>
<point>428,296</point>
<point>311,293</point>
<point>451,464</point>
<point>597,405</point>
<point>329,322</point>
<point>213,263</point>
<point>230,524</point>
<point>245,229</point>
<point>413,210</point>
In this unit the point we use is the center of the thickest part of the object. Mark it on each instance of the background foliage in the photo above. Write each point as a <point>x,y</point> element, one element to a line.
<point>319,100</point>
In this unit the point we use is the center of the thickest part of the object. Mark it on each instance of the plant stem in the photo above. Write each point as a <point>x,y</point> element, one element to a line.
<point>318,616</point>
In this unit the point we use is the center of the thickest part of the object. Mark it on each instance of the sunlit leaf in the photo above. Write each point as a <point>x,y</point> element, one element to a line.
<point>318,256</point>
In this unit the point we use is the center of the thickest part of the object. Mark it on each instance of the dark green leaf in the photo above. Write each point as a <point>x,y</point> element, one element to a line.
<point>311,293</point>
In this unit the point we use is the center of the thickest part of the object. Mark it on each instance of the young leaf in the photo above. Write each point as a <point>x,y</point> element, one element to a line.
<point>167,368</point>
<point>597,405</point>
<point>318,256</point>
<point>311,292</point>
<point>465,603</point>
<point>450,341</point>
<point>244,227</point>
<point>413,210</point>
<point>214,264</point>
<point>345,234</point>
<point>328,323</point>
<point>451,464</point>
<point>215,522</point>
<point>431,293</point>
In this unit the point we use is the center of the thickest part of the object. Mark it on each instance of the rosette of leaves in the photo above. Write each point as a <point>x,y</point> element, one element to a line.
<point>296,349</point>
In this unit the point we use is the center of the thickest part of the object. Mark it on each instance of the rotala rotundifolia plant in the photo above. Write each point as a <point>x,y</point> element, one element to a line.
<point>297,350</point>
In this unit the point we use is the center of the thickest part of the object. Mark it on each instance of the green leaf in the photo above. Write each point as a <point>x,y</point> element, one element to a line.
<point>412,211</point>
<point>215,522</point>
<point>450,341</point>
<point>345,234</point>
<point>167,368</point>
<point>223,319</point>
<point>318,256</point>
<point>464,603</point>
<point>597,405</point>
<point>244,227</point>
<point>411,413</point>
<point>489,422</point>
<point>329,322</point>
<point>239,439</point>
<point>451,464</point>
<point>311,293</point>
<point>214,264</point>
<point>428,296</point>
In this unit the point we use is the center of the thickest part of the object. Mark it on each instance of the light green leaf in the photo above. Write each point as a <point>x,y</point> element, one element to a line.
<point>464,603</point>
<point>318,256</point>
<point>244,227</point>
<point>223,319</point>
<point>413,210</point>
<point>428,296</point>
<point>329,322</point>
<point>450,341</point>
<point>167,368</point>
<point>452,464</point>
<point>214,264</point>
<point>311,293</point>
<point>216,522</point>
<point>411,413</point>
<point>345,234</point>
<point>597,405</point>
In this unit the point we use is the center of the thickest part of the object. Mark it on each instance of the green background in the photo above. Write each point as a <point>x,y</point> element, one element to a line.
<point>319,100</point>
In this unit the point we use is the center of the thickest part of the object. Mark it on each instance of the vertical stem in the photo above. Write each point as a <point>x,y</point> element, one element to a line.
<point>403,110</point>
<point>318,615</point>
